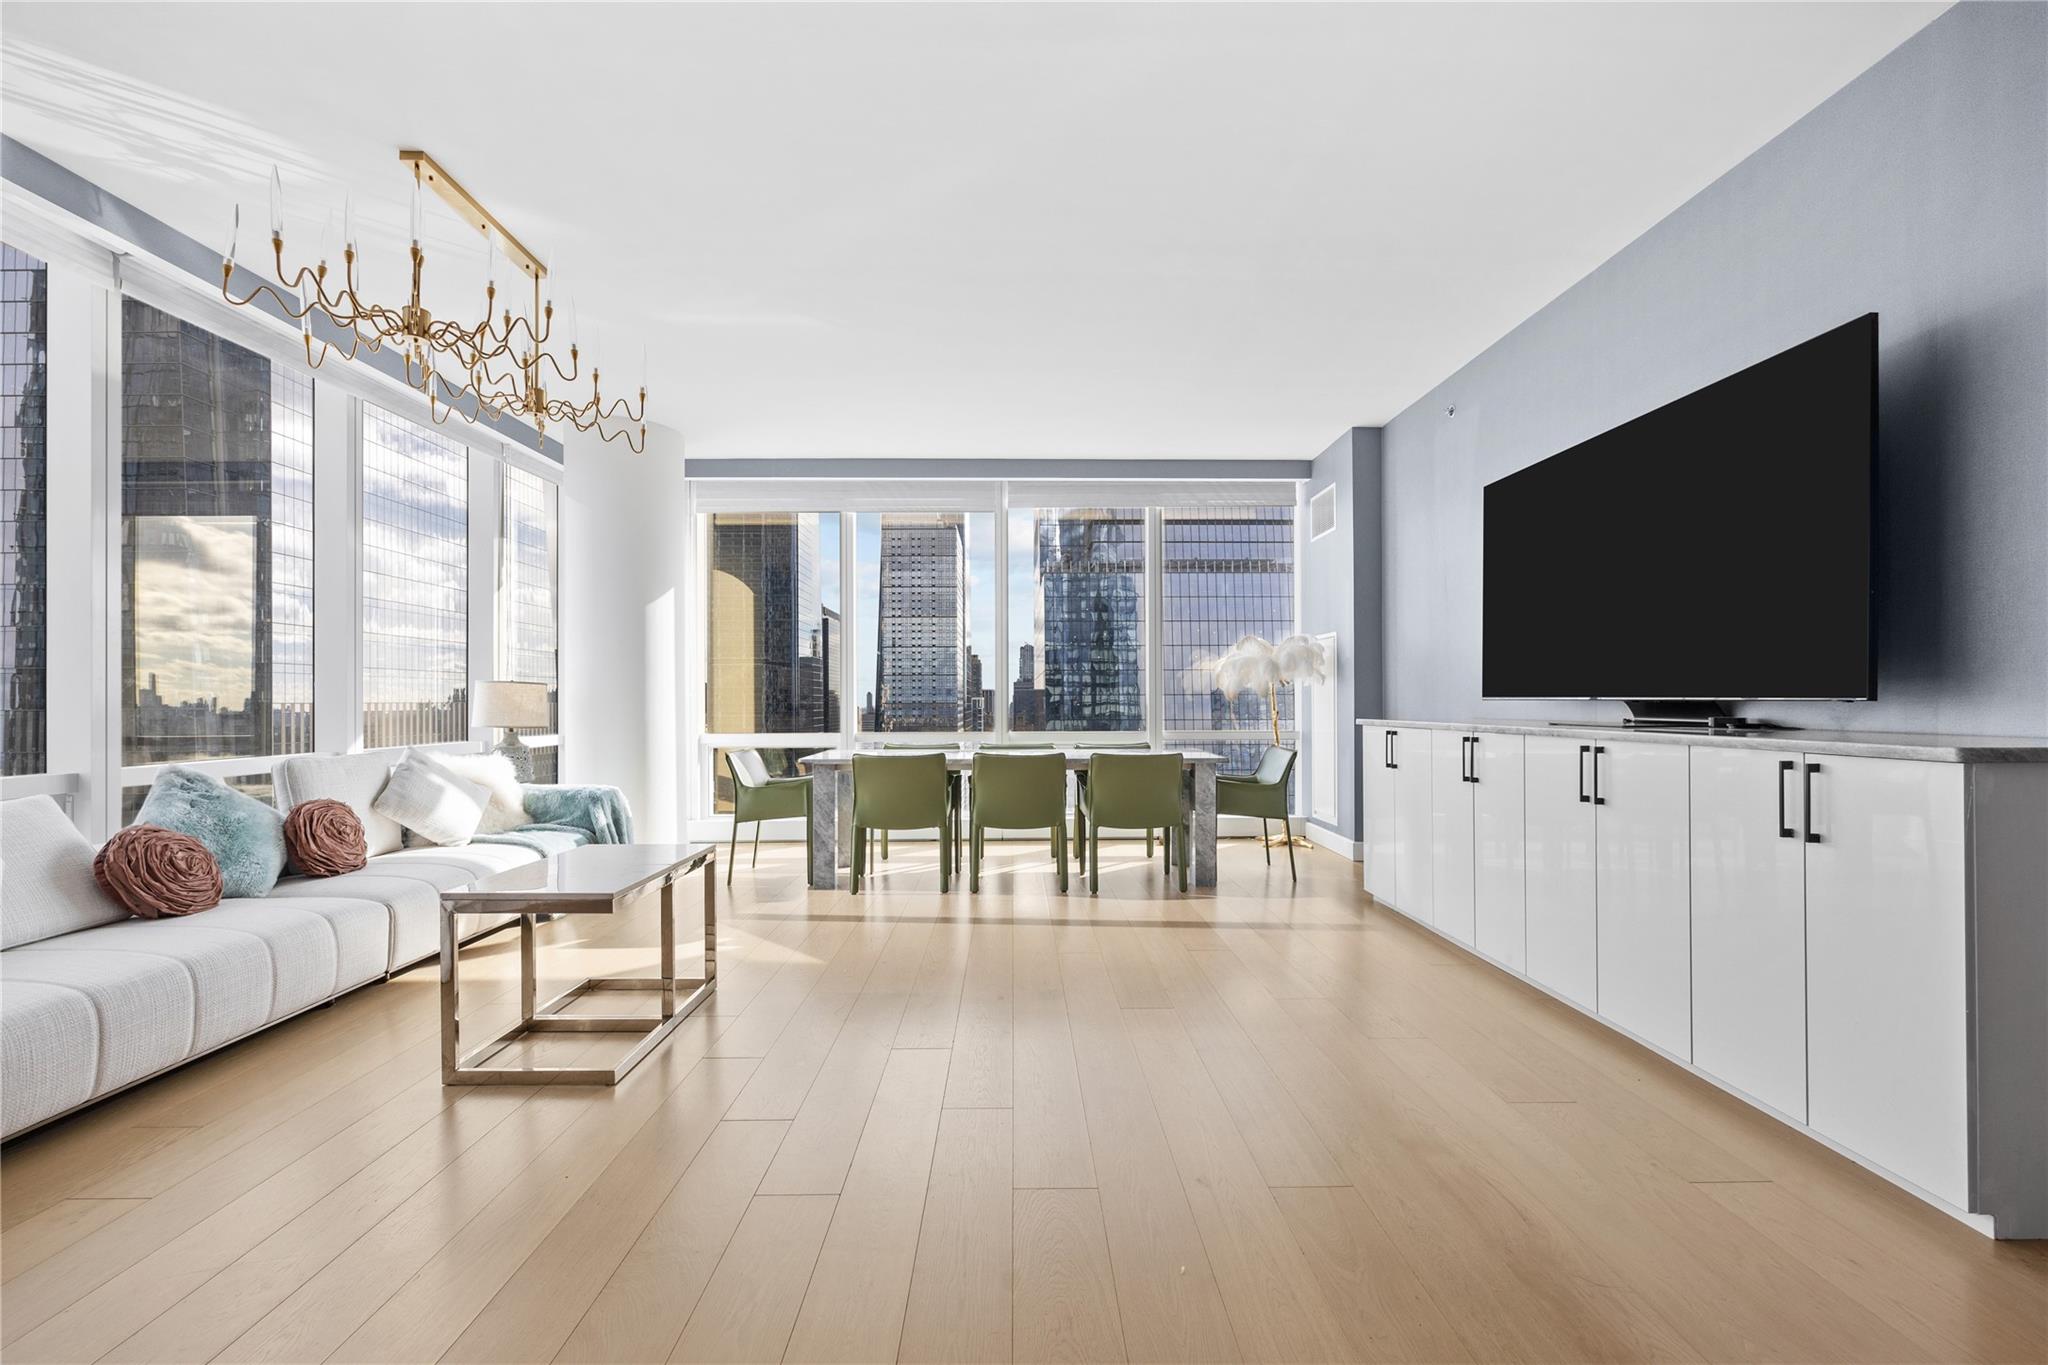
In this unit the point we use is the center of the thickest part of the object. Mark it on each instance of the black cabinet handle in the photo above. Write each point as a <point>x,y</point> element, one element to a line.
<point>1807,779</point>
<point>1598,799</point>
<point>1584,749</point>
<point>1472,759</point>
<point>1785,831</point>
<point>1393,749</point>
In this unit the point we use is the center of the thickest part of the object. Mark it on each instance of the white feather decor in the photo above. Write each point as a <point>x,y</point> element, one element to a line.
<point>1302,659</point>
<point>1256,665</point>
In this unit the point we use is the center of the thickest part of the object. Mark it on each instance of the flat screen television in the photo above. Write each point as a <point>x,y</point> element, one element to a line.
<point>1718,548</point>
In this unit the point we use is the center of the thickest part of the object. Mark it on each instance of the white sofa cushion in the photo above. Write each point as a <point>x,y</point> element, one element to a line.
<point>409,906</point>
<point>49,1052</point>
<point>46,874</point>
<point>492,772</point>
<point>229,971</point>
<point>142,1004</point>
<point>356,779</point>
<point>431,801</point>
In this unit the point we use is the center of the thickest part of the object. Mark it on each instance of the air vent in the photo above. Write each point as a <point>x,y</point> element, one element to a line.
<point>1322,513</point>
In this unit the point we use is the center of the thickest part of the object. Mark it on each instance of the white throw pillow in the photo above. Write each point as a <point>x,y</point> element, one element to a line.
<point>494,771</point>
<point>432,802</point>
<point>46,871</point>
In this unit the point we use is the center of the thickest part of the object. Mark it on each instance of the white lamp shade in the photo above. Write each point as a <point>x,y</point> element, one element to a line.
<point>509,705</point>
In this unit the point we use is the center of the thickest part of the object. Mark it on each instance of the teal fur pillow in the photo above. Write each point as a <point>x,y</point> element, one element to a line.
<point>245,836</point>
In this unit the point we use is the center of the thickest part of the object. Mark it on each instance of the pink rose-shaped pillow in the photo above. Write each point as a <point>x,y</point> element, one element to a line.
<point>155,871</point>
<point>325,838</point>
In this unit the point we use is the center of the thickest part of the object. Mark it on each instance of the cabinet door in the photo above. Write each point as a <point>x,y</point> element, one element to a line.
<point>1497,850</point>
<point>1450,816</point>
<point>1640,854</point>
<point>1413,881</point>
<point>1557,844</point>
<point>1376,766</point>
<point>1887,1005</point>
<point>1749,925</point>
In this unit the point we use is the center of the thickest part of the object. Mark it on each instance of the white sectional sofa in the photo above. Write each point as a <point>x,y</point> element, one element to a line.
<point>93,1001</point>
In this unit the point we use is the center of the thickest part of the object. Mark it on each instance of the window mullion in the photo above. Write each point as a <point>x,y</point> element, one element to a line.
<point>1155,627</point>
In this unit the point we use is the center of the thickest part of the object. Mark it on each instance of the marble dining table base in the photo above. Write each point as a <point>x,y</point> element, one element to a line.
<point>832,826</point>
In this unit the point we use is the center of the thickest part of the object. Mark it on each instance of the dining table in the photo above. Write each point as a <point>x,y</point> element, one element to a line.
<point>832,800</point>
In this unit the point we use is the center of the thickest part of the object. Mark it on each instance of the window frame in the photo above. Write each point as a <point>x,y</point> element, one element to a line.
<point>851,498</point>
<point>89,275</point>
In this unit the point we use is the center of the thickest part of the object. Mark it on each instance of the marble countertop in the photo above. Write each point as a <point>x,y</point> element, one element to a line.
<point>1841,743</point>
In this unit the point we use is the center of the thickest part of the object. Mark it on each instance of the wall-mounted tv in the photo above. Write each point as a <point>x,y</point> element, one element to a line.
<point>1718,548</point>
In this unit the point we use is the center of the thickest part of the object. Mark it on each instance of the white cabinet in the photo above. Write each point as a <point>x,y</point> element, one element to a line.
<point>1888,1006</point>
<point>1749,924</point>
<point>1497,837</point>
<point>1642,891</point>
<point>1450,826</point>
<point>1414,879</point>
<point>1376,766</point>
<point>1562,932</point>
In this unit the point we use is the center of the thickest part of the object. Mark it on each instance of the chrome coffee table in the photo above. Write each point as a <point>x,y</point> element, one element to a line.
<point>597,879</point>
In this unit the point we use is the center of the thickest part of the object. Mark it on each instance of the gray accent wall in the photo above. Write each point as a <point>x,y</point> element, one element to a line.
<point>1341,592</point>
<point>1919,191</point>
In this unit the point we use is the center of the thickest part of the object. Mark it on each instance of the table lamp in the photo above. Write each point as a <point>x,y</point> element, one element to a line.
<point>512,707</point>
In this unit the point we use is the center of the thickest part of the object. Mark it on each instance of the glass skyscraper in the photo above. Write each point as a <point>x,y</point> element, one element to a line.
<point>1087,641</point>
<point>926,676</point>
<point>24,564</point>
<point>773,640</point>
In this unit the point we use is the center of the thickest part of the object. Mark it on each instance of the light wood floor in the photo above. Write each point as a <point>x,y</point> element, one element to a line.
<point>1273,1122</point>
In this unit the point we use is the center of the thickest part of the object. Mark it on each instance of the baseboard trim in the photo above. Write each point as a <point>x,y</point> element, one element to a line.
<point>1333,841</point>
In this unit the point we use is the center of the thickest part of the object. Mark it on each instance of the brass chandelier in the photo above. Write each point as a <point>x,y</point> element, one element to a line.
<point>496,362</point>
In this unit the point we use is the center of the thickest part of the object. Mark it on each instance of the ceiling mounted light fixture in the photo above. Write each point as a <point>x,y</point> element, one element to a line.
<point>495,362</point>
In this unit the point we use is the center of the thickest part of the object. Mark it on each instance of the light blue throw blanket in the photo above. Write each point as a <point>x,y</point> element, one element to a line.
<point>545,840</point>
<point>600,812</point>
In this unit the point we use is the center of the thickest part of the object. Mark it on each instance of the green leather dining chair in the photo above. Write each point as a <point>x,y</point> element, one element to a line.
<point>1017,791</point>
<point>1137,791</point>
<point>1262,793</point>
<point>952,783</point>
<point>1081,795</point>
<point>902,791</point>
<point>756,796</point>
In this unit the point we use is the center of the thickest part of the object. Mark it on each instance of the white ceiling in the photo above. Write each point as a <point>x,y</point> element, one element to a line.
<point>976,230</point>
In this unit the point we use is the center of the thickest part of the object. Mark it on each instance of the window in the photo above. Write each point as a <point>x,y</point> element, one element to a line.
<point>1228,572</point>
<point>774,626</point>
<point>216,546</point>
<point>927,583</point>
<point>1076,619</point>
<point>415,583</point>
<point>528,624</point>
<point>24,581</point>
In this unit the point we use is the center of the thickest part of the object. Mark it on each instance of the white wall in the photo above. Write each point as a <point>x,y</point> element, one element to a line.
<point>622,623</point>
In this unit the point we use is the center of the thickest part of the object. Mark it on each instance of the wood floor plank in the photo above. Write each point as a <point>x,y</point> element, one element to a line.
<point>826,1128</point>
<point>752,1031</point>
<point>792,1062</point>
<point>748,1308</point>
<point>640,1312</point>
<point>1167,1295</point>
<point>1287,1149</point>
<point>424,1318</point>
<point>959,1307</point>
<point>534,1312</point>
<point>1385,1311</point>
<point>207,1318</point>
<point>853,1309</point>
<point>1504,1276</point>
<point>37,1238</point>
<point>1050,1132</point>
<point>1065,1296</point>
<point>980,1074</point>
<point>1275,1302</point>
<point>931,1016</point>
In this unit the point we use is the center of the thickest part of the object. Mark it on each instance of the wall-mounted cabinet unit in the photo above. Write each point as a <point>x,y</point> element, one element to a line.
<point>1849,930</point>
